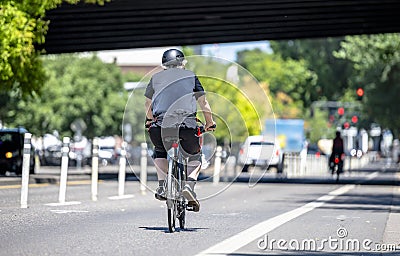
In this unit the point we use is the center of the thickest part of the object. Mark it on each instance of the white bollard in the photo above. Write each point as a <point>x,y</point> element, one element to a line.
<point>217,165</point>
<point>143,168</point>
<point>64,170</point>
<point>25,170</point>
<point>121,173</point>
<point>121,176</point>
<point>95,168</point>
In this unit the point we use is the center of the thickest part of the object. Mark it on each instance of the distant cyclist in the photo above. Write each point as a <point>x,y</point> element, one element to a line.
<point>337,150</point>
<point>170,91</point>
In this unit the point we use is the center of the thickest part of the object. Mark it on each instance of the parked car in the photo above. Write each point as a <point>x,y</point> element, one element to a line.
<point>50,151</point>
<point>80,152</point>
<point>107,152</point>
<point>12,151</point>
<point>261,152</point>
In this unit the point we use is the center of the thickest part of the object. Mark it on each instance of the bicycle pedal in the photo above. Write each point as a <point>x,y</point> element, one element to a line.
<point>193,208</point>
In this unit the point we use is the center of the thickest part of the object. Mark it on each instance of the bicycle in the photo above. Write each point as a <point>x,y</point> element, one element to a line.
<point>336,165</point>
<point>175,181</point>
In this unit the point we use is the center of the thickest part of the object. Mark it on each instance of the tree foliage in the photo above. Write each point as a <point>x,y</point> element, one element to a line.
<point>376,59</point>
<point>238,110</point>
<point>77,88</point>
<point>317,55</point>
<point>23,26</point>
<point>289,81</point>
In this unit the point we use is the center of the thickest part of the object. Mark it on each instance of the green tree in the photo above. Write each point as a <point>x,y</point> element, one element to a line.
<point>23,25</point>
<point>77,87</point>
<point>238,111</point>
<point>317,54</point>
<point>376,59</point>
<point>318,127</point>
<point>235,114</point>
<point>288,76</point>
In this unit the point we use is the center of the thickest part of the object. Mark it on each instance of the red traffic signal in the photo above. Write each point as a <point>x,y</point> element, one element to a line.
<point>340,111</point>
<point>354,119</point>
<point>360,93</point>
<point>346,125</point>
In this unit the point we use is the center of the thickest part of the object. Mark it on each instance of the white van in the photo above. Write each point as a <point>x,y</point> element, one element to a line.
<point>261,152</point>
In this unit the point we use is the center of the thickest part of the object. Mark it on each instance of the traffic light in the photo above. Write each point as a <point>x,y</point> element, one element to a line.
<point>346,125</point>
<point>354,119</point>
<point>360,93</point>
<point>340,111</point>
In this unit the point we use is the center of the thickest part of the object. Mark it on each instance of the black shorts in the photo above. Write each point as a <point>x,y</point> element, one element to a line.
<point>189,142</point>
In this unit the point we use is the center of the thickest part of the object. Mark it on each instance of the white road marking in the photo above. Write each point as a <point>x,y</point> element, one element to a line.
<point>372,175</point>
<point>245,237</point>
<point>68,211</point>
<point>120,197</point>
<point>226,214</point>
<point>65,203</point>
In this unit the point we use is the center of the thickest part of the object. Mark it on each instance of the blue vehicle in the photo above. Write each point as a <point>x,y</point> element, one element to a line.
<point>289,133</point>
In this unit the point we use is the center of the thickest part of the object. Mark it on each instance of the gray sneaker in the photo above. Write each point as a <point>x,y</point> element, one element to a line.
<point>190,195</point>
<point>160,193</point>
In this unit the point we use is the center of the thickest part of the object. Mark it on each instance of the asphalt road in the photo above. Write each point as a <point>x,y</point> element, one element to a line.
<point>297,218</point>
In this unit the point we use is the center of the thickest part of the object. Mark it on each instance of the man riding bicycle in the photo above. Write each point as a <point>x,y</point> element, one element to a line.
<point>337,152</point>
<point>171,91</point>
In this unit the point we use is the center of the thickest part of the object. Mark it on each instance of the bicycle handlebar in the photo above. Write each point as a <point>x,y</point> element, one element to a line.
<point>203,130</point>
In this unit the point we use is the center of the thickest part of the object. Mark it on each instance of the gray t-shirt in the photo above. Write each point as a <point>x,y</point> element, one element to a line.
<point>174,91</point>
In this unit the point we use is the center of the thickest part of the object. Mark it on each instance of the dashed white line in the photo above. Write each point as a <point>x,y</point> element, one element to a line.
<point>245,237</point>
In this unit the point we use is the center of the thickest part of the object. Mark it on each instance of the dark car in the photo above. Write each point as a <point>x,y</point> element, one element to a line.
<point>12,149</point>
<point>51,155</point>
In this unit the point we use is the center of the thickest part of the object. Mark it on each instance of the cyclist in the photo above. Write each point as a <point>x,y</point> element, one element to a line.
<point>168,91</point>
<point>337,150</point>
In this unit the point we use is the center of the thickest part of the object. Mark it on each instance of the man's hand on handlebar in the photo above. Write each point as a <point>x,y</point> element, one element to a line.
<point>210,126</point>
<point>148,123</point>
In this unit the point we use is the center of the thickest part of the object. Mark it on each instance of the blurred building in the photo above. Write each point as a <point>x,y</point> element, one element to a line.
<point>138,61</point>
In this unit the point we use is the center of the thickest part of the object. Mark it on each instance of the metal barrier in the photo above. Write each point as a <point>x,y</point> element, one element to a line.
<point>318,165</point>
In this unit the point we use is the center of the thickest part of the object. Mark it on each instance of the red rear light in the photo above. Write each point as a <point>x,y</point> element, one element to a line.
<point>336,160</point>
<point>318,154</point>
<point>277,153</point>
<point>175,145</point>
<point>241,151</point>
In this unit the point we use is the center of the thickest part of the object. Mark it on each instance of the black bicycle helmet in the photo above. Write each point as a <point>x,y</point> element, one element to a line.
<point>173,57</point>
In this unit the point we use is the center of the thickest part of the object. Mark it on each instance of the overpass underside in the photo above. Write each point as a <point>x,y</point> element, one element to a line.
<point>123,24</point>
